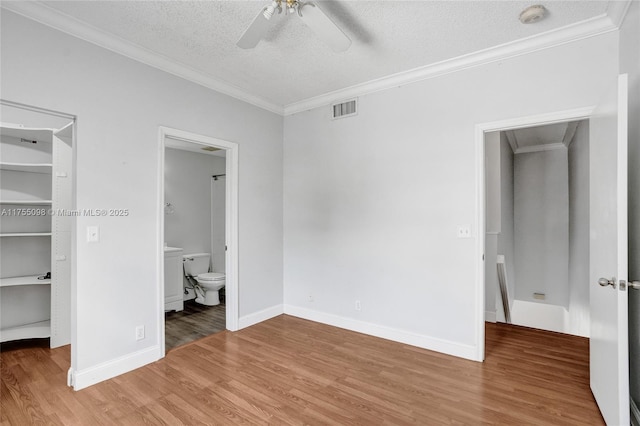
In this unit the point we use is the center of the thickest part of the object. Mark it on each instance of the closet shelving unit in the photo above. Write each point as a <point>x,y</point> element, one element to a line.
<point>35,174</point>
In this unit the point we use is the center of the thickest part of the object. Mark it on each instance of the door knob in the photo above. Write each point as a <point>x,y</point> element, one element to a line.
<point>634,284</point>
<point>605,282</point>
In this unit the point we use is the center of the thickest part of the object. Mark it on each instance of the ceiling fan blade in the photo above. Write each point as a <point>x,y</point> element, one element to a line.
<point>254,33</point>
<point>324,27</point>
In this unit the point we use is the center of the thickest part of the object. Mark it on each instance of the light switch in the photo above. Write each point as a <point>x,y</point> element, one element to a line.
<point>93,234</point>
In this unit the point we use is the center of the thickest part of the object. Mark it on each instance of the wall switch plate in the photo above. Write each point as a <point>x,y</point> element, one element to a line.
<point>93,234</point>
<point>464,231</point>
<point>140,332</point>
<point>358,306</point>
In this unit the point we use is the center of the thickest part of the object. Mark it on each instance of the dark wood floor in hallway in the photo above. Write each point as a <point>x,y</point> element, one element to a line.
<point>194,322</point>
<point>291,371</point>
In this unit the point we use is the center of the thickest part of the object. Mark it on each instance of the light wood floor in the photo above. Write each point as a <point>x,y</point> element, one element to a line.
<point>291,371</point>
<point>193,322</point>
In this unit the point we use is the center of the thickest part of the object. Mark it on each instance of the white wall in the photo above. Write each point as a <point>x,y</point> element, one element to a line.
<point>541,226</point>
<point>499,238</point>
<point>492,221</point>
<point>630,63</point>
<point>506,238</point>
<point>579,232</point>
<point>372,202</point>
<point>218,249</point>
<point>120,104</point>
<point>188,189</point>
<point>492,177</point>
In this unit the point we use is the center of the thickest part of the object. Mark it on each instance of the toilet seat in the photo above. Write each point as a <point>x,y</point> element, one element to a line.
<point>212,276</point>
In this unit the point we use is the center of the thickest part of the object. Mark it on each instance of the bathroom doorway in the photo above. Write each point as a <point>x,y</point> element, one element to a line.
<point>198,224</point>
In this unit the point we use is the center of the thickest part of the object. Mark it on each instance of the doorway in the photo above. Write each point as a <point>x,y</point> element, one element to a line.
<point>481,131</point>
<point>537,227</point>
<point>186,223</point>
<point>38,245</point>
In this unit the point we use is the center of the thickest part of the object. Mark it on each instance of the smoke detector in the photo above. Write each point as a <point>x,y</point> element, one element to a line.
<point>533,14</point>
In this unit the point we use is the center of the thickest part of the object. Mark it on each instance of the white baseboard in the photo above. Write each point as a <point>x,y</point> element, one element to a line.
<point>107,370</point>
<point>490,316</point>
<point>410,338</point>
<point>256,317</point>
<point>635,413</point>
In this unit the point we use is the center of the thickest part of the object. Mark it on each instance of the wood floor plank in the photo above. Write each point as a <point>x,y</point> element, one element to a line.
<point>291,371</point>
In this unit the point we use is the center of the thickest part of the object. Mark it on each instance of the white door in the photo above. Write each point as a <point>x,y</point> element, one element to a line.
<point>609,354</point>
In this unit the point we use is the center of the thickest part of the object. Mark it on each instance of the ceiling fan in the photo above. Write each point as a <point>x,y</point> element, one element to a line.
<point>309,12</point>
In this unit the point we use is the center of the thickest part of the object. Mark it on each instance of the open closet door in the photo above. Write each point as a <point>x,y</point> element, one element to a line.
<point>609,355</point>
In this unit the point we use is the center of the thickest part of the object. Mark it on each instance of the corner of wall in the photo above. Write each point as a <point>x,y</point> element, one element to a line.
<point>263,315</point>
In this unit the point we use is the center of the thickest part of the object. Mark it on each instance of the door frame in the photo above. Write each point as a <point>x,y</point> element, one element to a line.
<point>231,223</point>
<point>480,130</point>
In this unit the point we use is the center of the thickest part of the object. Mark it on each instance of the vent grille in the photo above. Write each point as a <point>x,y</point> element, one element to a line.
<point>344,109</point>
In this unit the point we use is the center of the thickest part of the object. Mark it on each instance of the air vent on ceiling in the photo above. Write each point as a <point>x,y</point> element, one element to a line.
<point>344,109</point>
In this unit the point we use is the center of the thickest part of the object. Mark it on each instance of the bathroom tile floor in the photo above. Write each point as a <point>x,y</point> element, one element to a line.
<point>192,323</point>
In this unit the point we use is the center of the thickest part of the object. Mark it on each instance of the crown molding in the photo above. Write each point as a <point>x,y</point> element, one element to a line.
<point>53,18</point>
<point>617,10</point>
<point>581,30</point>
<point>540,148</point>
<point>569,135</point>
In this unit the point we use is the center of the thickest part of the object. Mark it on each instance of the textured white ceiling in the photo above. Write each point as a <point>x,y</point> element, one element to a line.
<point>292,64</point>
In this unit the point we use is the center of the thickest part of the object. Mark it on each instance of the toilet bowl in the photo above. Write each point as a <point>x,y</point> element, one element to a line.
<point>207,284</point>
<point>211,283</point>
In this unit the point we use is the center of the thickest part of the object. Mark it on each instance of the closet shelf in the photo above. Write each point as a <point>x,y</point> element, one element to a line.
<point>26,234</point>
<point>27,331</point>
<point>43,168</point>
<point>26,280</point>
<point>28,133</point>
<point>27,202</point>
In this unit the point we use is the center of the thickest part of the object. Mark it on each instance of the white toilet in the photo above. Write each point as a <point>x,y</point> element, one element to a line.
<point>196,267</point>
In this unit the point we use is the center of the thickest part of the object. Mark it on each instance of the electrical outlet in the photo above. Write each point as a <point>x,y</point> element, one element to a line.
<point>311,299</point>
<point>464,231</point>
<point>140,332</point>
<point>358,306</point>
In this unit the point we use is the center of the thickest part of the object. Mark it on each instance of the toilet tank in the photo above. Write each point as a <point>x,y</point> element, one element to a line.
<point>196,263</point>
